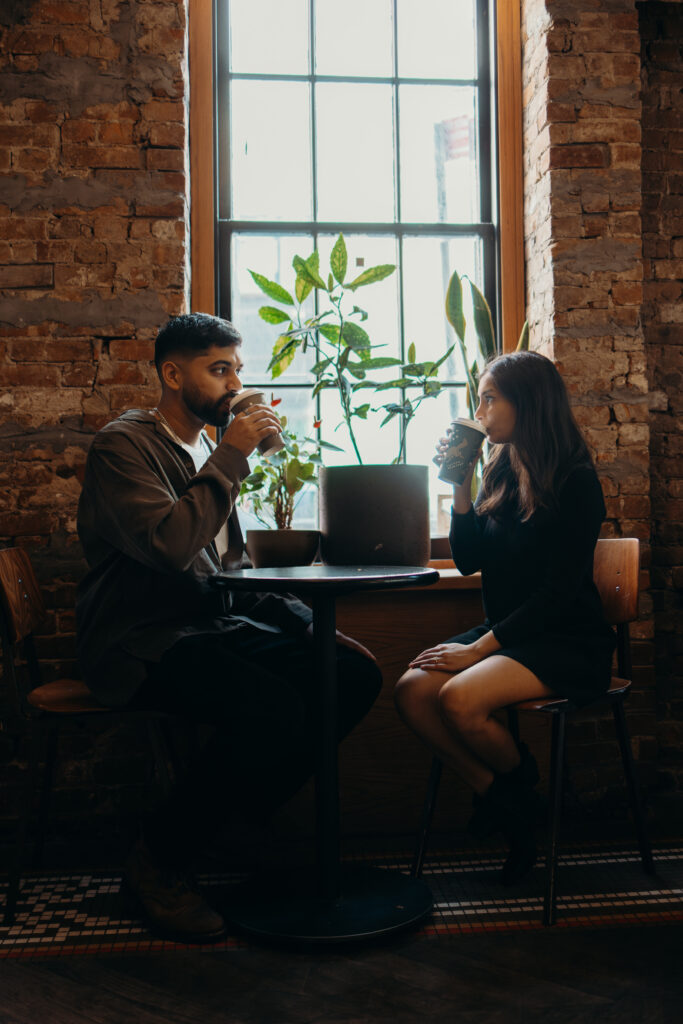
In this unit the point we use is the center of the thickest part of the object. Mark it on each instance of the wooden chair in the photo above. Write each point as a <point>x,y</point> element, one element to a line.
<point>45,707</point>
<point>616,573</point>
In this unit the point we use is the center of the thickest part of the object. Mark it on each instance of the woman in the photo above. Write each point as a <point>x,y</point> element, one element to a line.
<point>532,533</point>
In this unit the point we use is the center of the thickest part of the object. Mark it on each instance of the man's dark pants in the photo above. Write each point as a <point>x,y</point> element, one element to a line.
<point>260,692</point>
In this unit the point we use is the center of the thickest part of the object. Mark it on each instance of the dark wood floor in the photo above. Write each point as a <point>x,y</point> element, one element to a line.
<point>555,976</point>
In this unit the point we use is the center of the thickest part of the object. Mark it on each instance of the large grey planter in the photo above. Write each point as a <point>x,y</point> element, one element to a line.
<point>374,515</point>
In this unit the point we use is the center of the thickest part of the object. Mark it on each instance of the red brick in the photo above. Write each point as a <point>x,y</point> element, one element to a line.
<point>165,159</point>
<point>117,131</point>
<point>32,275</point>
<point>163,110</point>
<point>579,156</point>
<point>103,156</point>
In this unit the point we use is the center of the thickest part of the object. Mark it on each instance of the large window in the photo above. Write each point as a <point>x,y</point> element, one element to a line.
<point>372,118</point>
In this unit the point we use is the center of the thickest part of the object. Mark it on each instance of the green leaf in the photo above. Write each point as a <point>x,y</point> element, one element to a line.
<point>321,366</point>
<point>272,289</point>
<point>402,382</point>
<point>411,352</point>
<point>302,288</point>
<point>483,323</point>
<point>272,315</point>
<point>371,275</point>
<point>330,331</point>
<point>363,314</point>
<point>361,411</point>
<point>339,260</point>
<point>418,369</point>
<point>320,385</point>
<point>308,269</point>
<point>282,356</point>
<point>330,282</point>
<point>523,343</point>
<point>444,357</point>
<point>454,312</point>
<point>395,411</point>
<point>354,336</point>
<point>378,363</point>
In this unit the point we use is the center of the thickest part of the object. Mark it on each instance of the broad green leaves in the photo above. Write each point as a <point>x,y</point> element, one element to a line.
<point>272,289</point>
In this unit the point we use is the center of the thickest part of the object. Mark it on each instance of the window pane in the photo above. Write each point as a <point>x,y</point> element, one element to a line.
<point>356,39</point>
<point>270,151</point>
<point>438,158</point>
<point>427,267</point>
<point>269,36</point>
<point>376,445</point>
<point>380,300</point>
<point>436,39</point>
<point>271,256</point>
<point>298,407</point>
<point>355,152</point>
<point>428,425</point>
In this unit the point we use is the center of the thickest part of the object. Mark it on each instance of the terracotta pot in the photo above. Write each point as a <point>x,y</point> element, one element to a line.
<point>374,515</point>
<point>274,548</point>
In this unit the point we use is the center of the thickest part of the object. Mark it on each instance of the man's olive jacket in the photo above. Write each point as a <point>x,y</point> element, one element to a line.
<point>147,522</point>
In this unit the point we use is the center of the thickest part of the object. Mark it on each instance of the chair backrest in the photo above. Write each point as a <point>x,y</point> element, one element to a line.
<point>616,571</point>
<point>20,595</point>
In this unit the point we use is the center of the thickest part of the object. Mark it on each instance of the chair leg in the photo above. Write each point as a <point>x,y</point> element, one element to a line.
<point>52,740</point>
<point>15,871</point>
<point>556,779</point>
<point>427,815</point>
<point>632,784</point>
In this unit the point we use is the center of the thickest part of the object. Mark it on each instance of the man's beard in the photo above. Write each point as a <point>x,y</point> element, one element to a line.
<point>216,414</point>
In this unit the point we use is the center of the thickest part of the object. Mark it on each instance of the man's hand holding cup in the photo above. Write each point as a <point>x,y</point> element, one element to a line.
<point>254,424</point>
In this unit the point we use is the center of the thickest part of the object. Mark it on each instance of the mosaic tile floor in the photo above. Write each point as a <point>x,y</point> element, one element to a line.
<point>598,885</point>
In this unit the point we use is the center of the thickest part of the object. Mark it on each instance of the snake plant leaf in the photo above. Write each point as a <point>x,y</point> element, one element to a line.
<point>283,354</point>
<point>483,323</point>
<point>272,315</point>
<point>454,310</point>
<point>354,336</point>
<point>523,343</point>
<point>272,289</point>
<point>372,274</point>
<point>339,260</point>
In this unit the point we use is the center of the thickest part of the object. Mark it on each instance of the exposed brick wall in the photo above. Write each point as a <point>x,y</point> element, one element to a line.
<point>662,60</point>
<point>584,270</point>
<point>93,256</point>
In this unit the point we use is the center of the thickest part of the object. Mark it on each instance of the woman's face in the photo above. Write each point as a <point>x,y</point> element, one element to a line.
<point>496,414</point>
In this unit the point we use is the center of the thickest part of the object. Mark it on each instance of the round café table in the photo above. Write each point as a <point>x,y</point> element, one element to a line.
<point>337,902</point>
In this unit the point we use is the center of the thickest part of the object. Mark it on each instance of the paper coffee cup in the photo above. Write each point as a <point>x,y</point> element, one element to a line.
<point>465,438</point>
<point>242,401</point>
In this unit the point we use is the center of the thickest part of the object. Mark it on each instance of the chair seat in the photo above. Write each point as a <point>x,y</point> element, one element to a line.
<point>617,687</point>
<point>65,697</point>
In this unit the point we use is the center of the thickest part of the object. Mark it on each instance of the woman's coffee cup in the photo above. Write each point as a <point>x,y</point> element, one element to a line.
<point>465,438</point>
<point>242,401</point>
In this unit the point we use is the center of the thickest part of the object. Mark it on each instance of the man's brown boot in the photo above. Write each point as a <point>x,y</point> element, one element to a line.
<point>172,906</point>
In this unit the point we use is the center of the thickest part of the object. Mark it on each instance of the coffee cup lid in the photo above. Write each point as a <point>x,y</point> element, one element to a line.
<point>245,393</point>
<point>469,423</point>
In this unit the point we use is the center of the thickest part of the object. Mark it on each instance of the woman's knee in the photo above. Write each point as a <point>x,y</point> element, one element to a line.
<point>414,691</point>
<point>459,705</point>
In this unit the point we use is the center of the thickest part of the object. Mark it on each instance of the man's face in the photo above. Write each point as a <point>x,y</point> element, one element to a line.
<point>209,381</point>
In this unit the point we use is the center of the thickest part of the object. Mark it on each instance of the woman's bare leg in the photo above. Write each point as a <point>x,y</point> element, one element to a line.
<point>467,702</point>
<point>417,701</point>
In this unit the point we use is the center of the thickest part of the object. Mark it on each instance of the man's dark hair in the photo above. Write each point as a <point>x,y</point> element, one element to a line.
<point>192,334</point>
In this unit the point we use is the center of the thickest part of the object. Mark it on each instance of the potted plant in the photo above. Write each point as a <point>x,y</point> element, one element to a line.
<point>368,513</point>
<point>272,491</point>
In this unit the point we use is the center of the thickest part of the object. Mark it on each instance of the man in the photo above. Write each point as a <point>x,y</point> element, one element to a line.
<point>157,519</point>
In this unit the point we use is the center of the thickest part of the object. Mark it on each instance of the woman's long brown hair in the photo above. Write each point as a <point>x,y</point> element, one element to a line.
<point>527,473</point>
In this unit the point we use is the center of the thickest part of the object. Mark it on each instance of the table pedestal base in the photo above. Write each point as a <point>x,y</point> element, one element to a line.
<point>283,906</point>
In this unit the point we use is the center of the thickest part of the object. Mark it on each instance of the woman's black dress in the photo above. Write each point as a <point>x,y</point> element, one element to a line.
<point>537,587</point>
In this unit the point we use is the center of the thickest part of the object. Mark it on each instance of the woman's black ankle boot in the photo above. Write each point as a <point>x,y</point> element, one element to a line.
<point>488,811</point>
